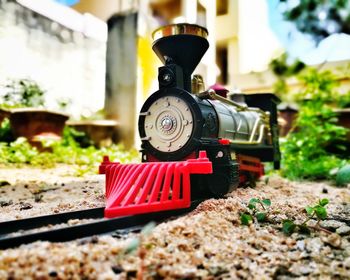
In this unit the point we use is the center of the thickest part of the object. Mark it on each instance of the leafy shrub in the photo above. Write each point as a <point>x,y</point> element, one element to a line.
<point>5,131</point>
<point>258,211</point>
<point>306,151</point>
<point>257,208</point>
<point>22,93</point>
<point>317,211</point>
<point>283,68</point>
<point>67,151</point>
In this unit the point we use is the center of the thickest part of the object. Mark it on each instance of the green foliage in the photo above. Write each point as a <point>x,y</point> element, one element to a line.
<point>261,216</point>
<point>256,208</point>
<point>319,18</point>
<point>306,151</point>
<point>67,151</point>
<point>284,69</point>
<point>343,176</point>
<point>266,202</point>
<point>22,93</point>
<point>5,131</point>
<point>288,226</point>
<point>319,211</point>
<point>324,201</point>
<point>246,219</point>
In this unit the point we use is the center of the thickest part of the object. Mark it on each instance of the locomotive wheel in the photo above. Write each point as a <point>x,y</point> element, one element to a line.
<point>250,180</point>
<point>219,184</point>
<point>224,180</point>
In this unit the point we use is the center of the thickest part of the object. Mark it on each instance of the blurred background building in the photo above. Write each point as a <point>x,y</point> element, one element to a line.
<point>97,53</point>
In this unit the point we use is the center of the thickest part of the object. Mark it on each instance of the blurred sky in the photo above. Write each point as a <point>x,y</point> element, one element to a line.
<point>67,2</point>
<point>333,48</point>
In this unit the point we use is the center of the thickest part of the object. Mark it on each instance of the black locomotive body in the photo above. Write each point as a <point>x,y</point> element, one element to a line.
<point>176,122</point>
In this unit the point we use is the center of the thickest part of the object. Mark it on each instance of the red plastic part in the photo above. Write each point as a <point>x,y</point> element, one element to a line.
<point>104,163</point>
<point>150,187</point>
<point>224,141</point>
<point>250,164</point>
<point>151,158</point>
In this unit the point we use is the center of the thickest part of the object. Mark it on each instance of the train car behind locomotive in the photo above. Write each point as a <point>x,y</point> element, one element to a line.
<point>179,122</point>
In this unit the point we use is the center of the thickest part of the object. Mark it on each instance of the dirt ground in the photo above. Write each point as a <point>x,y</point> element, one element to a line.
<point>209,243</point>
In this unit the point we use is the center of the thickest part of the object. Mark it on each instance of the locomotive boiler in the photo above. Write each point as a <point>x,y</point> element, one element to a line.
<point>185,128</point>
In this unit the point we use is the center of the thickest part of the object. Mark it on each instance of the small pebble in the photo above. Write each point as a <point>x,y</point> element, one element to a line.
<point>304,270</point>
<point>4,183</point>
<point>343,230</point>
<point>25,206</point>
<point>53,274</point>
<point>94,239</point>
<point>331,224</point>
<point>117,269</point>
<point>4,203</point>
<point>347,263</point>
<point>300,245</point>
<point>332,239</point>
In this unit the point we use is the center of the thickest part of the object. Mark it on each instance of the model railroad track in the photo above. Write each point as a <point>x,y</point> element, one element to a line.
<point>13,233</point>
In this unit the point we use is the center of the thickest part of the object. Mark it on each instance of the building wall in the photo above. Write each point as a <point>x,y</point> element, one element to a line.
<point>245,33</point>
<point>104,9</point>
<point>67,63</point>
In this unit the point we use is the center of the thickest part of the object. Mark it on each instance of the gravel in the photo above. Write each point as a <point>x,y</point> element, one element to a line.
<point>34,191</point>
<point>208,243</point>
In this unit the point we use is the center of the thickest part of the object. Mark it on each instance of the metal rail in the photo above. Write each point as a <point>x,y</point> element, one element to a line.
<point>69,233</point>
<point>54,219</point>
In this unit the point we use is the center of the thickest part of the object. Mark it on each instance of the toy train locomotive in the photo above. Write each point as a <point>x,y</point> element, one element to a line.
<point>180,120</point>
<point>175,122</point>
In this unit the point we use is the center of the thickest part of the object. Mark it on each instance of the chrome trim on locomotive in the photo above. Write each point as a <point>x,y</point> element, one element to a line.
<point>238,123</point>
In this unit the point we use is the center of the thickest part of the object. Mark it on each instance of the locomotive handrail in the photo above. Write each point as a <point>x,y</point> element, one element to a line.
<point>255,127</point>
<point>258,141</point>
<point>210,94</point>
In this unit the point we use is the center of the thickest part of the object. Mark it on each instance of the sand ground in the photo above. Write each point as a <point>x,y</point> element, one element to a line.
<point>209,243</point>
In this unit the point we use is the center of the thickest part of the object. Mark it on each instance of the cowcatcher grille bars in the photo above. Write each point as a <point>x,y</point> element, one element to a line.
<point>151,186</point>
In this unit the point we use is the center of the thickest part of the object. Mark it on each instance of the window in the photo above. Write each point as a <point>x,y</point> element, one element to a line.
<point>221,7</point>
<point>221,61</point>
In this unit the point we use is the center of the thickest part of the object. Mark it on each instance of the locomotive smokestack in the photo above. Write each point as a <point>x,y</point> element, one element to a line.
<point>183,44</point>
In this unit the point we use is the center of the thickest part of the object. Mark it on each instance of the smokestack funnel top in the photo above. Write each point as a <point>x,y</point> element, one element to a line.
<point>178,29</point>
<point>184,43</point>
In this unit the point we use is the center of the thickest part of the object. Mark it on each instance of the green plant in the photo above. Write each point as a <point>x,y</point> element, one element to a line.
<point>306,151</point>
<point>5,131</point>
<point>283,69</point>
<point>256,209</point>
<point>22,93</point>
<point>318,18</point>
<point>317,211</point>
<point>68,151</point>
